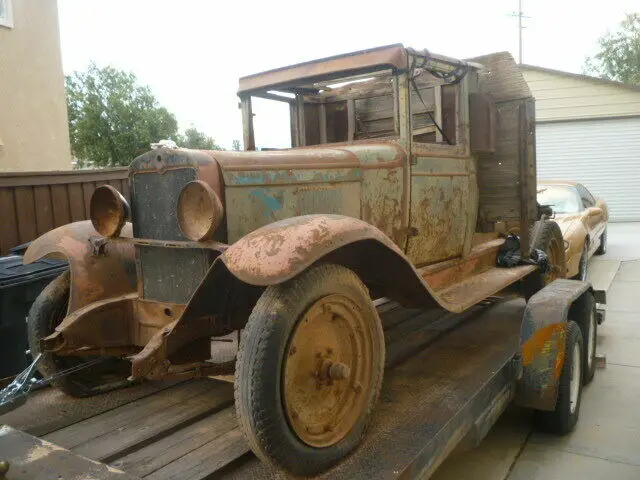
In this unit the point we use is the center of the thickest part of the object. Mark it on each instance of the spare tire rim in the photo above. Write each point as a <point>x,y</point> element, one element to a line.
<point>576,378</point>
<point>328,367</point>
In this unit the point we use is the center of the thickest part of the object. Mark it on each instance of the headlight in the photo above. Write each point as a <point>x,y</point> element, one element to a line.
<point>109,211</point>
<point>199,211</point>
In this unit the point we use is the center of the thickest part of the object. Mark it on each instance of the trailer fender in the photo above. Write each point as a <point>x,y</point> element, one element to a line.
<point>98,271</point>
<point>542,341</point>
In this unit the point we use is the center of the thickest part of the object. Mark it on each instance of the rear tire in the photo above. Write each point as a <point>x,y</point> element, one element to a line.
<point>564,417</point>
<point>302,325</point>
<point>46,313</point>
<point>550,242</point>
<point>585,316</point>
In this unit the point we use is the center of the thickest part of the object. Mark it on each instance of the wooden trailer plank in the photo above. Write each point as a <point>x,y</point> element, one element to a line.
<point>143,431</point>
<point>103,423</point>
<point>206,460</point>
<point>157,455</point>
<point>31,458</point>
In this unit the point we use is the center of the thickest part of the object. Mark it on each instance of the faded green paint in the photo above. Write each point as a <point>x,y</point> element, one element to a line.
<point>256,207</point>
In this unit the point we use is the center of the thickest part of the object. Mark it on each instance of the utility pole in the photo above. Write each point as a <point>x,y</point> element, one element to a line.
<point>520,27</point>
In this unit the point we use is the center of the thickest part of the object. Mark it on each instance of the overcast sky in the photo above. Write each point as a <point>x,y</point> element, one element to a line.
<point>191,52</point>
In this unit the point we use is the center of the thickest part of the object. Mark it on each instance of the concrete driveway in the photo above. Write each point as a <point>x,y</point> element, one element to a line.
<point>606,442</point>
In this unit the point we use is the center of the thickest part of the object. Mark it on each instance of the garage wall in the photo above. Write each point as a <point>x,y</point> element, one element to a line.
<point>604,155</point>
<point>562,96</point>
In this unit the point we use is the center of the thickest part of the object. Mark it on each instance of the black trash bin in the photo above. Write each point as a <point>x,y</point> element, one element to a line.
<point>19,286</point>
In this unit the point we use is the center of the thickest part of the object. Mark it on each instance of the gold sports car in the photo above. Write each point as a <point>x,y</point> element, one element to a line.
<point>582,219</point>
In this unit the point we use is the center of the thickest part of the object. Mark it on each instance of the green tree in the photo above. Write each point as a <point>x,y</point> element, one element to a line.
<point>619,56</point>
<point>113,119</point>
<point>235,146</point>
<point>193,138</point>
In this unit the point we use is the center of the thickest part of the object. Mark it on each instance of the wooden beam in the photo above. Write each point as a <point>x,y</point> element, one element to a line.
<point>247,124</point>
<point>437,95</point>
<point>351,119</point>
<point>277,98</point>
<point>302,138</point>
<point>322,120</point>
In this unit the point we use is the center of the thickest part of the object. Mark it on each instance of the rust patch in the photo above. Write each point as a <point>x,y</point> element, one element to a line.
<point>545,344</point>
<point>93,277</point>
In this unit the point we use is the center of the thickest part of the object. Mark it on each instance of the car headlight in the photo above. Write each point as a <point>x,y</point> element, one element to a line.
<point>108,210</point>
<point>199,211</point>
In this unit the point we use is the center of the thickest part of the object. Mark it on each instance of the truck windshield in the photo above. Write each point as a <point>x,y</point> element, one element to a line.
<point>561,198</point>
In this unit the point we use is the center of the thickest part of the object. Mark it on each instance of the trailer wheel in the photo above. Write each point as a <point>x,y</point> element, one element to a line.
<point>551,242</point>
<point>46,313</point>
<point>309,370</point>
<point>564,417</point>
<point>585,314</point>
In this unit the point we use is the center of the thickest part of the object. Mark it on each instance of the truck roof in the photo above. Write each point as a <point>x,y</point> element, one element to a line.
<point>390,57</point>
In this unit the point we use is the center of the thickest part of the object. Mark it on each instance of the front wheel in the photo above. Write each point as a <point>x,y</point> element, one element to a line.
<point>309,370</point>
<point>602,249</point>
<point>583,265</point>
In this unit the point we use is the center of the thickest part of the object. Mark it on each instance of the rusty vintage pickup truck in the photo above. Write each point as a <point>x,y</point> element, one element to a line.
<point>406,171</point>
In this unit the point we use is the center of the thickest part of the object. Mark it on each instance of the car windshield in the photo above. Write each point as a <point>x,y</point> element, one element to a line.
<point>561,198</point>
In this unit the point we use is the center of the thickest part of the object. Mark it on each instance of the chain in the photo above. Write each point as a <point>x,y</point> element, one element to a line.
<point>15,394</point>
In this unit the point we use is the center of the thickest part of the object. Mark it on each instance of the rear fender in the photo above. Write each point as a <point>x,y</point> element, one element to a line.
<point>98,271</point>
<point>542,341</point>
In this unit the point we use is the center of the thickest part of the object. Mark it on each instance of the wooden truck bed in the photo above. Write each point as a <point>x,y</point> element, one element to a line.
<point>448,378</point>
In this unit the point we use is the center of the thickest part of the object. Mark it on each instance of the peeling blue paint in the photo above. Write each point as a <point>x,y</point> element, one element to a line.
<point>272,204</point>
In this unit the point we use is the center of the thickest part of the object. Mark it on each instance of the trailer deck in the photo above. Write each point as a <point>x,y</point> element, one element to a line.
<point>448,378</point>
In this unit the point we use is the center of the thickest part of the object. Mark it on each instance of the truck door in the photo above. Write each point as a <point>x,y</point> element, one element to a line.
<point>442,177</point>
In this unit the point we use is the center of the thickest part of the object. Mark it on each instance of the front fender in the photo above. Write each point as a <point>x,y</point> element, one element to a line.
<point>95,275</point>
<point>281,250</point>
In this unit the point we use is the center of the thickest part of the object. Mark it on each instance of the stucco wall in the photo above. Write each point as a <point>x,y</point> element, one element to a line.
<point>573,97</point>
<point>33,113</point>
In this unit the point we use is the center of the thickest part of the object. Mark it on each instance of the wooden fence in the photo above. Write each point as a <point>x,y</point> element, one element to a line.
<point>32,203</point>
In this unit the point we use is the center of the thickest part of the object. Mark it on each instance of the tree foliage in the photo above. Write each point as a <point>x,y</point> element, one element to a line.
<point>619,56</point>
<point>193,138</point>
<point>112,119</point>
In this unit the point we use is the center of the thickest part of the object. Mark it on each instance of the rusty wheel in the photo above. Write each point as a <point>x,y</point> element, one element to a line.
<point>328,365</point>
<point>309,370</point>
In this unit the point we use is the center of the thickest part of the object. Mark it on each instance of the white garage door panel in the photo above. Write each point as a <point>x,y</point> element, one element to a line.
<point>604,155</point>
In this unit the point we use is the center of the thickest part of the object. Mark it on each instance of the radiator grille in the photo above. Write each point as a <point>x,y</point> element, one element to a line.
<point>168,274</point>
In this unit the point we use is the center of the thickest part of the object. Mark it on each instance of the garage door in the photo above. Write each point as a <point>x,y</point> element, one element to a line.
<point>604,155</point>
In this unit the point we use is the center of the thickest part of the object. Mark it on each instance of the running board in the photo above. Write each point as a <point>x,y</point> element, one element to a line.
<point>474,289</point>
<point>463,282</point>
